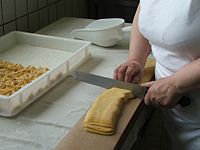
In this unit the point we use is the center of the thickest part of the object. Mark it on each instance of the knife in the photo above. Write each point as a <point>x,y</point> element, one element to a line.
<point>138,90</point>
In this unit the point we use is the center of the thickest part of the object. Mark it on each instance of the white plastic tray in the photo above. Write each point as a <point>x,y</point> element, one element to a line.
<point>60,55</point>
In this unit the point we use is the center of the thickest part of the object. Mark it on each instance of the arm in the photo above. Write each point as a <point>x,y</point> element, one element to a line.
<point>139,49</point>
<point>166,91</point>
<point>139,46</point>
<point>188,78</point>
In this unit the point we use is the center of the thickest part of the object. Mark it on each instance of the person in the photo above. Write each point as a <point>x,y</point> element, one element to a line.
<point>170,30</point>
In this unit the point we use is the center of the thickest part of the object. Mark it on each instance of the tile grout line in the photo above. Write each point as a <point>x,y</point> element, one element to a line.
<point>38,24</point>
<point>15,15</point>
<point>48,12</point>
<point>2,17</point>
<point>28,26</point>
<point>38,13</point>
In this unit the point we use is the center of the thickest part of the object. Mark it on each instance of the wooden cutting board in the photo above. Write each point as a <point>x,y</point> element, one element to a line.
<point>79,139</point>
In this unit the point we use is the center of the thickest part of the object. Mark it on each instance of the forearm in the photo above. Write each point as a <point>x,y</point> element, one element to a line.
<point>188,78</point>
<point>139,46</point>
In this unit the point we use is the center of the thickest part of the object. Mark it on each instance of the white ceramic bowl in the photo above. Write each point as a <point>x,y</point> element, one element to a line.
<point>102,32</point>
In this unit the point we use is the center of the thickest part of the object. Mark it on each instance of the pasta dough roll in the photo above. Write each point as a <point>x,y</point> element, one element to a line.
<point>102,116</point>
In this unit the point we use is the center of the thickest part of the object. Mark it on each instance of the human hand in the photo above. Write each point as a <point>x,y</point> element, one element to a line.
<point>130,71</point>
<point>162,93</point>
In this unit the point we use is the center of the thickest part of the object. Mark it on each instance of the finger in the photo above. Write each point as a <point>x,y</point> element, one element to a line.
<point>155,103</point>
<point>115,73</point>
<point>136,78</point>
<point>146,99</point>
<point>152,101</point>
<point>128,74</point>
<point>148,84</point>
<point>150,98</point>
<point>121,72</point>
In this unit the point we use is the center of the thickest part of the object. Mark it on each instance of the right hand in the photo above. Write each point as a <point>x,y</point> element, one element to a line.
<point>130,71</point>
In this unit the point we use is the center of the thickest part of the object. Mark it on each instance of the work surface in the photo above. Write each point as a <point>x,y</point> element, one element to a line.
<point>44,123</point>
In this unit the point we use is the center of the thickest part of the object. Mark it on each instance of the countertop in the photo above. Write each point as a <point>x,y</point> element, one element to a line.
<point>45,122</point>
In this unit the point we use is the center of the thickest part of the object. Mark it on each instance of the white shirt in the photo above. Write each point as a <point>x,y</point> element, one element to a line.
<point>173,30</point>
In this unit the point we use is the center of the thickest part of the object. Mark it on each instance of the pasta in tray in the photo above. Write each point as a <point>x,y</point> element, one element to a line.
<point>14,76</point>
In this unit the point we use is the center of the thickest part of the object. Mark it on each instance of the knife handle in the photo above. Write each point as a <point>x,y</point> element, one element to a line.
<point>184,100</point>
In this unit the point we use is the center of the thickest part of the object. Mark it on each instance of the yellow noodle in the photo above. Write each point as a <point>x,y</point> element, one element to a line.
<point>14,76</point>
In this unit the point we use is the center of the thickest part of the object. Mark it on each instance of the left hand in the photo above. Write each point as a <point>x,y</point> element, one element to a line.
<point>162,93</point>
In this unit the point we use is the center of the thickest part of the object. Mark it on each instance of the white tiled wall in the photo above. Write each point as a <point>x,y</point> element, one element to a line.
<point>1,20</point>
<point>61,10</point>
<point>1,31</point>
<point>76,8</point>
<point>52,13</point>
<point>42,3</point>
<point>8,10</point>
<point>31,15</point>
<point>43,14</point>
<point>22,23</point>
<point>68,7</point>
<point>33,22</point>
<point>10,26</point>
<point>32,5</point>
<point>21,7</point>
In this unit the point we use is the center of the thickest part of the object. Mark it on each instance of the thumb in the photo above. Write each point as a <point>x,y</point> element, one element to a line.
<point>148,84</point>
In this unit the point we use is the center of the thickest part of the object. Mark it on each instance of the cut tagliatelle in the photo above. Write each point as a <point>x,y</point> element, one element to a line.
<point>102,116</point>
<point>14,76</point>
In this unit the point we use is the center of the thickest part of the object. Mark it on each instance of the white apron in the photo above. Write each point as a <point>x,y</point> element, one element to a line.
<point>173,30</point>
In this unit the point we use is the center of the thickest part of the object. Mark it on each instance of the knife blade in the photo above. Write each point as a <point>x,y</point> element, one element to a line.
<point>138,90</point>
<point>107,83</point>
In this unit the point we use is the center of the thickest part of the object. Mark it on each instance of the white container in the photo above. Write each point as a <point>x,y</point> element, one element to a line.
<point>60,55</point>
<point>103,32</point>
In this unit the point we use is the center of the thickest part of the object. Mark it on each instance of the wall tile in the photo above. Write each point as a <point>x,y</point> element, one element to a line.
<point>1,20</point>
<point>52,13</point>
<point>75,8</point>
<point>33,22</point>
<point>11,26</point>
<point>80,8</point>
<point>8,10</point>
<point>69,8</point>
<point>32,5</point>
<point>42,3</point>
<point>1,30</point>
<point>22,24</point>
<point>31,15</point>
<point>21,7</point>
<point>43,17</point>
<point>84,6</point>
<point>60,9</point>
<point>52,1</point>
